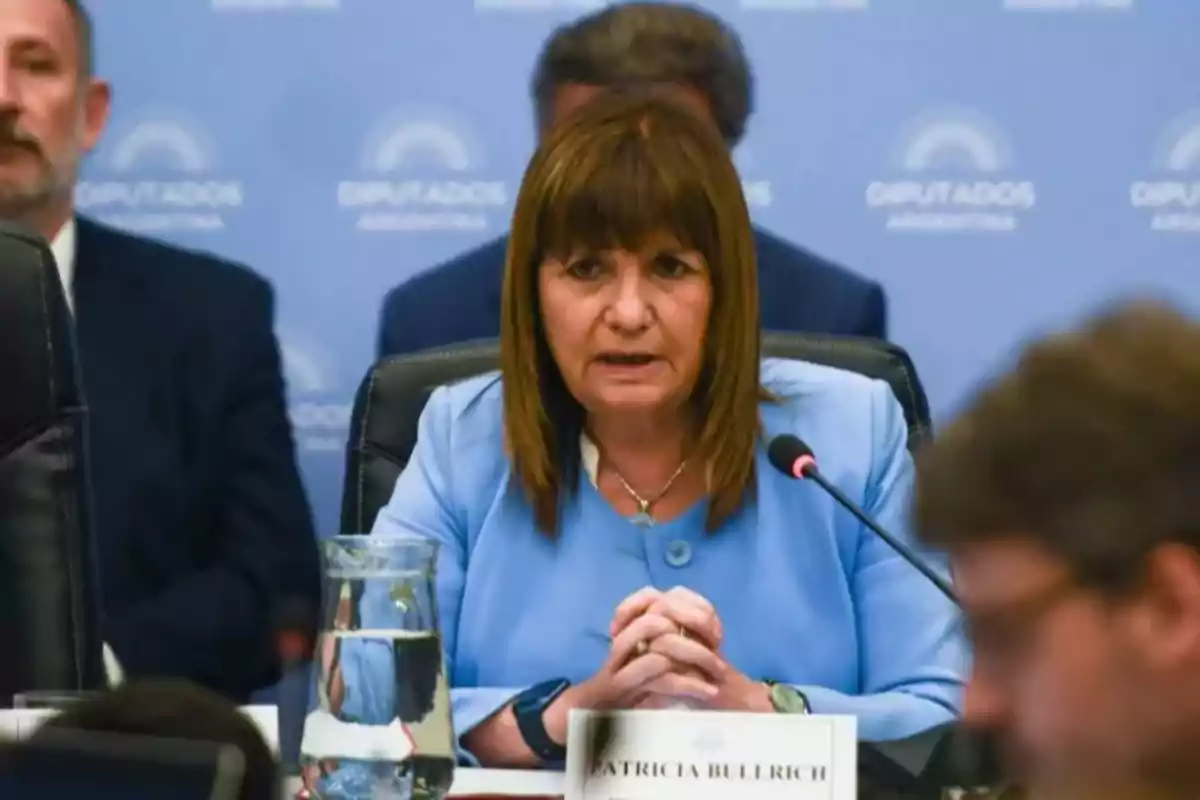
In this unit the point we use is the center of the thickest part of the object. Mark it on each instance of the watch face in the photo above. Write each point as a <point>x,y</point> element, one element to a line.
<point>788,700</point>
<point>538,697</point>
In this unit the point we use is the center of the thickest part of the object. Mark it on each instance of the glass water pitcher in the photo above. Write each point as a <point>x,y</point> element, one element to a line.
<point>380,726</point>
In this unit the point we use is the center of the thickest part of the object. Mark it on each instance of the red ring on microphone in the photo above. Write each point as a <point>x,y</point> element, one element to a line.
<point>801,464</point>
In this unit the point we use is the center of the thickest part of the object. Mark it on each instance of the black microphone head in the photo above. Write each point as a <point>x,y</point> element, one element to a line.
<point>785,450</point>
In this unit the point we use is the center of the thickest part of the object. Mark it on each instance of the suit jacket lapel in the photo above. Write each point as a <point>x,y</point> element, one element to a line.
<point>112,326</point>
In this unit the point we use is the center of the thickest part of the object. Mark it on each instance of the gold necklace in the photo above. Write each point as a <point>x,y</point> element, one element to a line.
<point>643,518</point>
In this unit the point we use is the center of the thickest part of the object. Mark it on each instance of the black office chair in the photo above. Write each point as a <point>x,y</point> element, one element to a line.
<point>49,634</point>
<point>383,427</point>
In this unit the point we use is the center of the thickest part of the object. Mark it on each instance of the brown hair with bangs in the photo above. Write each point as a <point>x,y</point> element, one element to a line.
<point>627,168</point>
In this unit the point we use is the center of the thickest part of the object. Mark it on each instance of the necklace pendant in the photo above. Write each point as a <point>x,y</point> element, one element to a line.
<point>642,520</point>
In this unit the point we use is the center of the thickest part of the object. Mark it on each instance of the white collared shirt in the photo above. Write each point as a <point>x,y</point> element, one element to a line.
<point>589,456</point>
<point>63,249</point>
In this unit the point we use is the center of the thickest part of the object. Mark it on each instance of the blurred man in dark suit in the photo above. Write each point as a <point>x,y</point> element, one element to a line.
<point>670,45</point>
<point>1067,495</point>
<point>203,529</point>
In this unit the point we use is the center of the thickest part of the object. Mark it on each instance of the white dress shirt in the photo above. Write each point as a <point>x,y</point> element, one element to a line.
<point>63,250</point>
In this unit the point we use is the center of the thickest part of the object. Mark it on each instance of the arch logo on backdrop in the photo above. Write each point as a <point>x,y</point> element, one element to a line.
<point>951,171</point>
<point>756,185</point>
<point>423,171</point>
<point>317,405</point>
<point>159,172</point>
<point>1170,195</point>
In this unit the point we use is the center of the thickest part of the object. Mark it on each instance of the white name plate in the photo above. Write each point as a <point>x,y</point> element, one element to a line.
<point>653,755</point>
<point>22,722</point>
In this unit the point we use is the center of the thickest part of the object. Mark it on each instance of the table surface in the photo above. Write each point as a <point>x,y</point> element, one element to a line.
<point>470,782</point>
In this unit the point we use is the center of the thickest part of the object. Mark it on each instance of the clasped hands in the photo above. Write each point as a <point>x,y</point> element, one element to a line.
<point>666,648</point>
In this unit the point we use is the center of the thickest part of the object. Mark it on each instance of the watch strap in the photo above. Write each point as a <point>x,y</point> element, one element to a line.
<point>528,709</point>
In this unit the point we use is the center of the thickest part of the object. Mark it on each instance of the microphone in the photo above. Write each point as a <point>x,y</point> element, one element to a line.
<point>791,456</point>
<point>947,754</point>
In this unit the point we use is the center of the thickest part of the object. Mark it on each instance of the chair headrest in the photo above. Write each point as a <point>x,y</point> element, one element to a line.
<point>383,429</point>
<point>36,359</point>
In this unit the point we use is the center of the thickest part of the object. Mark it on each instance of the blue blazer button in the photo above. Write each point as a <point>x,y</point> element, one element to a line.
<point>679,553</point>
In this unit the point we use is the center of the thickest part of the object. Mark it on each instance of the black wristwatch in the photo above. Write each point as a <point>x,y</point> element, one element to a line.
<point>528,708</point>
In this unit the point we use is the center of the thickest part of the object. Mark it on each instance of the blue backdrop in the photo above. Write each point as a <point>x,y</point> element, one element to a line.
<point>1000,165</point>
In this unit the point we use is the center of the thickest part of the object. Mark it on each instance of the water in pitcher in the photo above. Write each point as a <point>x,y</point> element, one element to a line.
<point>381,727</point>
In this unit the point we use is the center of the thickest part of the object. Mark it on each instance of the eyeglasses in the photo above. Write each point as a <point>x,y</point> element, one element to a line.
<point>1005,634</point>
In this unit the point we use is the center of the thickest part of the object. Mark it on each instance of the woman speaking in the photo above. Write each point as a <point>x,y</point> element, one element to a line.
<point>611,532</point>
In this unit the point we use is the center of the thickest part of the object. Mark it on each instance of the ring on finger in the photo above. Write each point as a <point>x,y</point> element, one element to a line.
<point>641,648</point>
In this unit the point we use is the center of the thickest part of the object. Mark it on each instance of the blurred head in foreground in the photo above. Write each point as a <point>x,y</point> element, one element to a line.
<point>1068,494</point>
<point>174,709</point>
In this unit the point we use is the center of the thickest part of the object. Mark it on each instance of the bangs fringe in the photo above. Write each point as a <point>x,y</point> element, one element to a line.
<point>627,193</point>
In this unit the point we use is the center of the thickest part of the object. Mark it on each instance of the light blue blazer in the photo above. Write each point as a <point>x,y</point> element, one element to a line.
<point>806,594</point>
